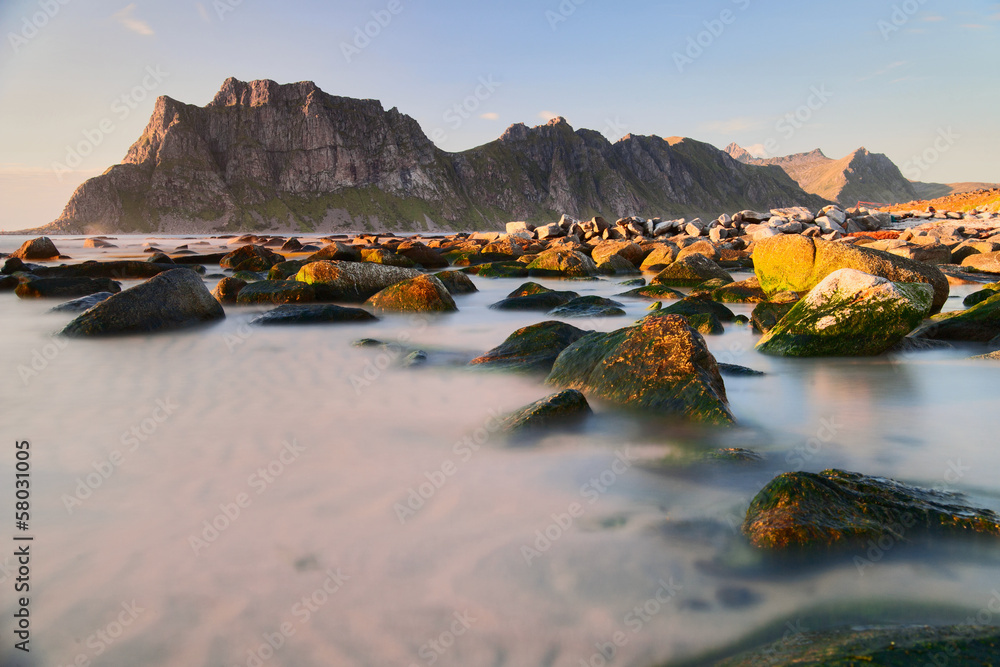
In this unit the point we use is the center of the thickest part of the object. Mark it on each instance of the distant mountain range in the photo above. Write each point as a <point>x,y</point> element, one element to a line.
<point>264,156</point>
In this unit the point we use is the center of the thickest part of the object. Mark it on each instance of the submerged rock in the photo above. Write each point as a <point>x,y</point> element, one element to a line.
<point>276,292</point>
<point>981,323</point>
<point>351,281</point>
<point>532,349</point>
<point>589,306</point>
<point>532,296</point>
<point>691,271</point>
<point>457,282</point>
<point>313,314</point>
<point>228,289</point>
<point>562,409</point>
<point>499,270</point>
<point>696,306</point>
<point>285,270</point>
<point>838,508</point>
<point>83,303</point>
<point>765,316</point>
<point>849,313</point>
<point>422,294</point>
<point>251,258</point>
<point>660,364</point>
<point>653,292</point>
<point>55,288</point>
<point>735,370</point>
<point>707,324</point>
<point>744,291</point>
<point>170,300</point>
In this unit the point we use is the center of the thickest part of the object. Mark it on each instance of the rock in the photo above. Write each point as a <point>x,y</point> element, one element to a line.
<point>734,370</point>
<point>160,258</point>
<point>654,292</point>
<point>704,248</point>
<point>707,324</point>
<point>314,314</point>
<point>987,262</point>
<point>98,243</point>
<point>504,247</point>
<point>40,248</point>
<point>589,306</point>
<point>927,253</point>
<point>519,226</point>
<point>630,252</point>
<point>798,264</point>
<point>335,252</point>
<point>549,231</point>
<point>532,349</point>
<point>8,283</point>
<point>565,408</point>
<point>835,508</point>
<point>910,344</point>
<point>291,245</point>
<point>766,315</point>
<point>249,276</point>
<point>532,296</point>
<point>744,291</point>
<point>276,292</point>
<point>660,365</point>
<point>351,281</point>
<point>616,265</point>
<point>693,305</point>
<point>171,300</point>
<point>389,258</point>
<point>83,303</point>
<point>422,294</point>
<point>849,313</point>
<point>228,289</point>
<point>499,270</point>
<point>690,272</point>
<point>562,263</point>
<point>981,323</point>
<point>285,270</point>
<point>797,213</point>
<point>456,282</point>
<point>981,295</point>
<point>251,258</point>
<point>65,288</point>
<point>663,255</point>
<point>117,269</point>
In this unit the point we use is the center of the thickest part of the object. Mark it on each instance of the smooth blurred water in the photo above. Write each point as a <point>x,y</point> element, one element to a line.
<point>450,585</point>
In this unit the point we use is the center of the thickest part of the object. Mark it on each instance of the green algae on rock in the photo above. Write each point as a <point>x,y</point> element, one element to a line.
<point>276,292</point>
<point>562,263</point>
<point>562,409</point>
<point>532,349</point>
<point>589,306</point>
<point>980,324</point>
<point>691,271</point>
<point>422,294</point>
<point>351,281</point>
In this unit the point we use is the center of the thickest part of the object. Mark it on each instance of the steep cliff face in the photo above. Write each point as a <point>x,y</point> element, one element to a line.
<point>860,176</point>
<point>268,156</point>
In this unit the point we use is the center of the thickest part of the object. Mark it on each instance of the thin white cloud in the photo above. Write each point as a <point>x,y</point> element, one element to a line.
<point>203,13</point>
<point>491,115</point>
<point>126,18</point>
<point>757,150</point>
<point>547,115</point>
<point>884,70</point>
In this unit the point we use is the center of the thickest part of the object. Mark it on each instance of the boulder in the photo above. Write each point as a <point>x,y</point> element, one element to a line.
<point>562,264</point>
<point>630,252</point>
<point>744,291</point>
<point>456,282</point>
<point>285,270</point>
<point>660,365</point>
<point>532,349</point>
<point>558,410</point>
<point>83,303</point>
<point>276,292</point>
<point>981,295</point>
<point>707,324</point>
<point>389,258</point>
<point>690,272</point>
<point>987,262</point>
<point>693,305</point>
<point>834,508</point>
<point>422,294</point>
<point>171,300</point>
<point>228,289</point>
<point>798,264</point>
<point>617,265</point>
<point>663,254</point>
<point>40,248</point>
<point>65,288</point>
<point>542,300</point>
<point>653,292</point>
<point>849,313</point>
<point>499,270</point>
<point>313,314</point>
<point>766,315</point>
<point>351,281</point>
<point>8,283</point>
<point>251,258</point>
<point>98,243</point>
<point>116,269</point>
<point>335,252</point>
<point>981,323</point>
<point>705,248</point>
<point>589,306</point>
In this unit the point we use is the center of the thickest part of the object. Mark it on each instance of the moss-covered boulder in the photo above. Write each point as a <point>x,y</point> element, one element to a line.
<point>457,282</point>
<point>798,263</point>
<point>653,293</point>
<point>170,300</point>
<point>386,257</point>
<point>659,364</point>
<point>351,281</point>
<point>558,410</point>
<point>844,509</point>
<point>707,324</point>
<point>744,291</point>
<point>849,313</point>
<point>532,296</point>
<point>980,324</point>
<point>691,271</point>
<point>616,265</point>
<point>251,258</point>
<point>415,251</point>
<point>422,294</point>
<point>693,305</point>
<point>64,288</point>
<point>589,306</point>
<point>532,349</point>
<point>335,252</point>
<point>276,292</point>
<point>765,316</point>
<point>562,263</point>
<point>313,314</point>
<point>286,270</point>
<point>499,270</point>
<point>228,289</point>
<point>981,295</point>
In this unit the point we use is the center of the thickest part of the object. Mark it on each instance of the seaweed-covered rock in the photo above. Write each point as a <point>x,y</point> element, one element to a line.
<point>744,291</point>
<point>532,349</point>
<point>849,313</point>
<point>691,271</point>
<point>589,306</point>
<point>65,288</point>
<point>653,292</point>
<point>499,270</point>
<point>798,263</point>
<point>562,409</point>
<point>351,281</point>
<point>386,257</point>
<point>981,323</point>
<point>422,294</point>
<point>734,370</point>
<point>693,305</point>
<point>660,364</point>
<point>170,300</point>
<point>228,289</point>
<point>285,270</point>
<point>251,258</point>
<point>532,296</point>
<point>838,508</point>
<point>981,295</point>
<point>276,292</point>
<point>562,263</point>
<point>707,324</point>
<point>313,314</point>
<point>766,315</point>
<point>457,282</point>
<point>40,248</point>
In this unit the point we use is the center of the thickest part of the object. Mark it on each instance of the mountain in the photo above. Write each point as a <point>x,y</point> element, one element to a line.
<point>927,191</point>
<point>264,156</point>
<point>860,176</point>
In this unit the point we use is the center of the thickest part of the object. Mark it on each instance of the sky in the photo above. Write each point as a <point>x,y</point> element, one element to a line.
<point>914,79</point>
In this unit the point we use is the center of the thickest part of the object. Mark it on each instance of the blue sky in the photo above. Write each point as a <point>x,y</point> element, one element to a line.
<point>914,79</point>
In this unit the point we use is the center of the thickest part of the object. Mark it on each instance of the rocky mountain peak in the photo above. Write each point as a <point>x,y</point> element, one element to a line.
<point>261,92</point>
